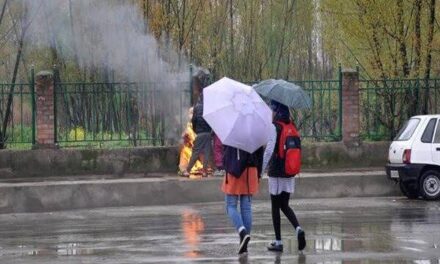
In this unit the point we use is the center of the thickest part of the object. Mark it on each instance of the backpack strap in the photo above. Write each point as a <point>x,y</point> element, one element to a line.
<point>278,128</point>
<point>280,141</point>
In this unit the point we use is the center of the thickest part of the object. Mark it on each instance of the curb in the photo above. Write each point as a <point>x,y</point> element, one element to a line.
<point>88,194</point>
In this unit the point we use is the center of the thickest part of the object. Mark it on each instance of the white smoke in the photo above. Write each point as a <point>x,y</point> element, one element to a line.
<point>103,34</point>
<point>111,35</point>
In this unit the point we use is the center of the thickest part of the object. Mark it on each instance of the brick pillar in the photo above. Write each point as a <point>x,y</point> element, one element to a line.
<point>44,86</point>
<point>350,108</point>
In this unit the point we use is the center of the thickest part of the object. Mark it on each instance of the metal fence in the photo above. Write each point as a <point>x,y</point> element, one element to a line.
<point>17,128</point>
<point>134,114</point>
<point>119,114</point>
<point>386,104</point>
<point>323,121</point>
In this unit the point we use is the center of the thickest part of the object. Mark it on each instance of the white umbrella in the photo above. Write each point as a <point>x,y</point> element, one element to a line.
<point>237,114</point>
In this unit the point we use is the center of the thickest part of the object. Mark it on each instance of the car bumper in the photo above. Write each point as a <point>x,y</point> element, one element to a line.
<point>404,172</point>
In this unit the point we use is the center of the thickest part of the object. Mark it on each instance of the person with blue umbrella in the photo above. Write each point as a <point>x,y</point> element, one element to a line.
<point>282,158</point>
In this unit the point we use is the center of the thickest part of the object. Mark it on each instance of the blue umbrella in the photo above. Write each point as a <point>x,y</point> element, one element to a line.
<point>284,92</point>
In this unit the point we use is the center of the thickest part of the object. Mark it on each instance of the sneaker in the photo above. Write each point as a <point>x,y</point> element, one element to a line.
<point>219,173</point>
<point>301,240</point>
<point>275,247</point>
<point>184,174</point>
<point>244,240</point>
<point>245,250</point>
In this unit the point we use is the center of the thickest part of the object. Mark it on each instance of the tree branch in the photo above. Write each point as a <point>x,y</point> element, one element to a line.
<point>3,11</point>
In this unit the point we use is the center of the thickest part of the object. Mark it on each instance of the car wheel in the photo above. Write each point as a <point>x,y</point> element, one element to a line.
<point>430,185</point>
<point>409,192</point>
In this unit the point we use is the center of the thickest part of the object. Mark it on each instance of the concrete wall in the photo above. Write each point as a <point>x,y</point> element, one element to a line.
<point>66,162</point>
<point>70,195</point>
<point>336,155</point>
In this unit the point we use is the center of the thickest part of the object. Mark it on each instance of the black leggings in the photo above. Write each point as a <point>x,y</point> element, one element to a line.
<point>281,201</point>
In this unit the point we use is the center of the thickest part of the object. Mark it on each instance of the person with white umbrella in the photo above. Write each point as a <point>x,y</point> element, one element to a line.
<point>241,182</point>
<point>241,119</point>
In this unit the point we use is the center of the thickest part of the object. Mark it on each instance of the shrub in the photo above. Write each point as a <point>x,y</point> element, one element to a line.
<point>77,134</point>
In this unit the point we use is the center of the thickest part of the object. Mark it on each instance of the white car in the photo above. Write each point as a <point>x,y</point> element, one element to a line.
<point>414,157</point>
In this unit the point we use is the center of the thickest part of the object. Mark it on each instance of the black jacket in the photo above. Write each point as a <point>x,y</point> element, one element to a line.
<point>198,122</point>
<point>276,165</point>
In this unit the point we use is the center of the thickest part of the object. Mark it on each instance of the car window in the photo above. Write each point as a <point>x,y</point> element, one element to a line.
<point>437,134</point>
<point>429,131</point>
<point>407,130</point>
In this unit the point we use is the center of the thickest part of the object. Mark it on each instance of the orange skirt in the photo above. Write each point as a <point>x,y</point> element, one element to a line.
<point>246,184</point>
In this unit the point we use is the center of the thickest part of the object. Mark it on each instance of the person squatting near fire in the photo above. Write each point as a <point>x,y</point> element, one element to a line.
<point>283,156</point>
<point>203,140</point>
<point>240,183</point>
<point>185,153</point>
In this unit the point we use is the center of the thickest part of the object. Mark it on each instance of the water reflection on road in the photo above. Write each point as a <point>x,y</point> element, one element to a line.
<point>192,227</point>
<point>364,230</point>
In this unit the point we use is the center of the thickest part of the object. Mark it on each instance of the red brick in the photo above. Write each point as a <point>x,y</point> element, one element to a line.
<point>45,109</point>
<point>350,107</point>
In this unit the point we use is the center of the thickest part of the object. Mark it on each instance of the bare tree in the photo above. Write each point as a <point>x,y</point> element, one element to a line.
<point>418,38</point>
<point>2,14</point>
<point>431,9</point>
<point>20,35</point>
<point>401,39</point>
<point>231,37</point>
<point>432,19</point>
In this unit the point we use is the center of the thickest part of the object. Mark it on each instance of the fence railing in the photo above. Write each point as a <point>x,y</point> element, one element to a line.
<point>134,114</point>
<point>323,121</point>
<point>20,121</point>
<point>386,104</point>
<point>119,114</point>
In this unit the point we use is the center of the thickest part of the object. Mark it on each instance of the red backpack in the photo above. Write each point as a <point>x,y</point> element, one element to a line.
<point>289,148</point>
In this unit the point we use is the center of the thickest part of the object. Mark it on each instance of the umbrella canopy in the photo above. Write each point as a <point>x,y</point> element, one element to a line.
<point>284,92</point>
<point>237,114</point>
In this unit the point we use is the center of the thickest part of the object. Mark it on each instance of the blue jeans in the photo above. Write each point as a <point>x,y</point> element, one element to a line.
<point>244,218</point>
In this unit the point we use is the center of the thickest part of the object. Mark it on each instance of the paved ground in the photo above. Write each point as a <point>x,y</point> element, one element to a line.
<point>349,230</point>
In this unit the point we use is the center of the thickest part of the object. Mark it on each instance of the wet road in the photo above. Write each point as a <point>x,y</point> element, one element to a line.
<point>349,230</point>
